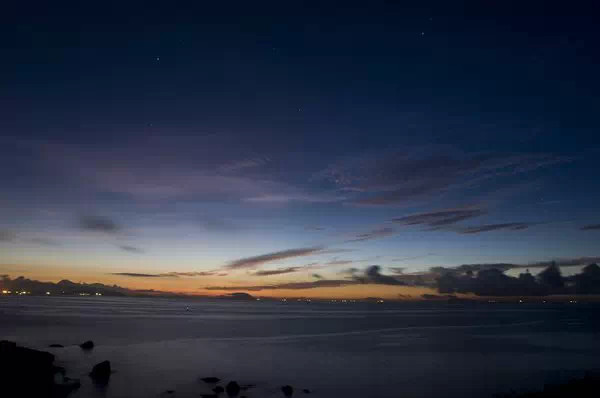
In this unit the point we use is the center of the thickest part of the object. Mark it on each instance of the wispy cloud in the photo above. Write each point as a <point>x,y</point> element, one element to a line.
<point>199,273</point>
<point>141,275</point>
<point>250,262</point>
<point>440,217</point>
<point>131,249</point>
<point>279,271</point>
<point>98,224</point>
<point>395,178</point>
<point>514,226</point>
<point>288,286</point>
<point>169,274</point>
<point>400,259</point>
<point>590,227</point>
<point>338,262</point>
<point>11,237</point>
<point>374,234</point>
<point>238,165</point>
<point>371,275</point>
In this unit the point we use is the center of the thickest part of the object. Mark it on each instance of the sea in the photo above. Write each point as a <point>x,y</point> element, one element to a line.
<point>161,347</point>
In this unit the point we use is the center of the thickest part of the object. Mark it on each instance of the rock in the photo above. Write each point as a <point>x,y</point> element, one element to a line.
<point>88,345</point>
<point>210,380</point>
<point>25,372</point>
<point>218,389</point>
<point>306,391</point>
<point>287,390</point>
<point>56,346</point>
<point>232,388</point>
<point>101,372</point>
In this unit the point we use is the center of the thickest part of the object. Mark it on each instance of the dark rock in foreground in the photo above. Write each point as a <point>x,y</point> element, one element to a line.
<point>288,391</point>
<point>25,372</point>
<point>56,346</point>
<point>88,345</point>
<point>101,372</point>
<point>210,380</point>
<point>232,388</point>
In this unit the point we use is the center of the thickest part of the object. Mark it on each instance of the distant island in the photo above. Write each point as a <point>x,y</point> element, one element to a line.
<point>24,286</point>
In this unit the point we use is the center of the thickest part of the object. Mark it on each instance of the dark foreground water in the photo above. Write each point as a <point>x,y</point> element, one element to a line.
<point>336,350</point>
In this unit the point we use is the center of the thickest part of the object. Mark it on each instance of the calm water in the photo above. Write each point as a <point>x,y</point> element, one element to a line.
<point>349,350</point>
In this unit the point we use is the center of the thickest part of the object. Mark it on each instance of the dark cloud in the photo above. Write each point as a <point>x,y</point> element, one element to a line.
<point>198,273</point>
<point>440,217</point>
<point>279,271</point>
<point>131,249</point>
<point>7,236</point>
<point>348,271</point>
<point>491,280</point>
<point>250,262</point>
<point>565,262</point>
<point>374,234</point>
<point>473,268</point>
<point>588,281</point>
<point>99,224</point>
<point>373,275</point>
<point>339,262</point>
<point>140,275</point>
<point>514,226</point>
<point>168,274</point>
<point>590,227</point>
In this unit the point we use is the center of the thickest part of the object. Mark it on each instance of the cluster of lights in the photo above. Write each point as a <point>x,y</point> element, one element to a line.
<point>20,293</point>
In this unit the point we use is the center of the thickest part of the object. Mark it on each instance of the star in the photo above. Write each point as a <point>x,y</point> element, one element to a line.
<point>157,58</point>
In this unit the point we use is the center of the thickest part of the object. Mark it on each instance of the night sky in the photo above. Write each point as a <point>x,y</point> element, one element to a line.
<point>286,147</point>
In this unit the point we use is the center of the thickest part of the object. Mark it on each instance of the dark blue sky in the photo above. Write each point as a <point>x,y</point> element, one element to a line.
<point>204,133</point>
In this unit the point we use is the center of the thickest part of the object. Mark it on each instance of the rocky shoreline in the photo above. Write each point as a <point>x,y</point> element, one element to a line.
<point>32,373</point>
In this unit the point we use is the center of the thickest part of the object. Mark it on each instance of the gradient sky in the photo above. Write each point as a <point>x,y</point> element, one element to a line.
<point>205,145</point>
